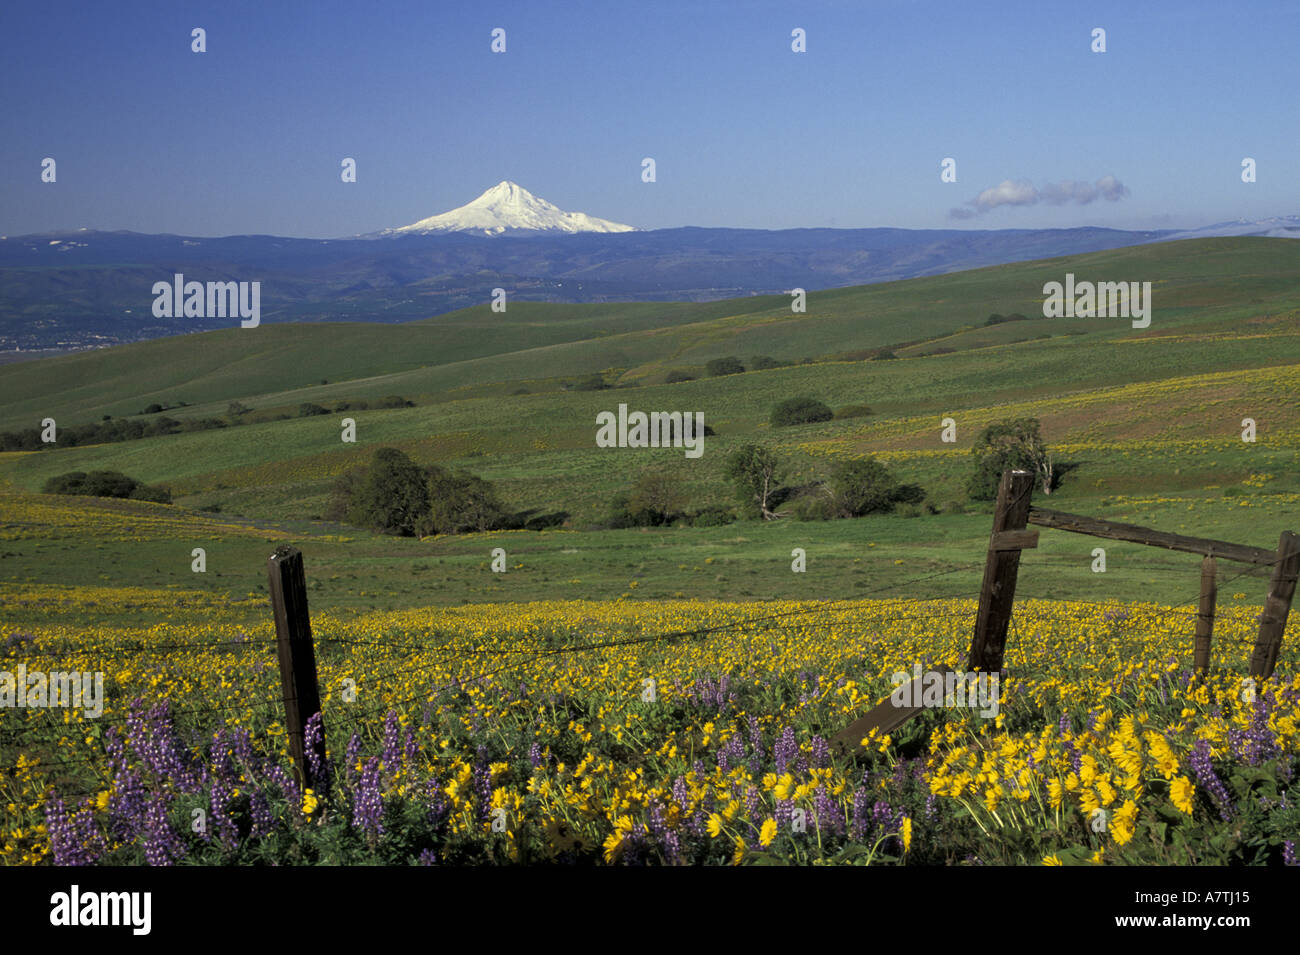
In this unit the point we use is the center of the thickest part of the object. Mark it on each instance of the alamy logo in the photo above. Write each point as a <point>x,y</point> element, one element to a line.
<point>1100,300</point>
<point>103,908</point>
<point>60,688</point>
<point>936,688</point>
<point>658,429</point>
<point>182,299</point>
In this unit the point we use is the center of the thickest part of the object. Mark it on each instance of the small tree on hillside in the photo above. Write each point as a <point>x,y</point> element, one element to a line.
<point>863,486</point>
<point>1010,445</point>
<point>756,473</point>
<point>392,497</point>
<point>460,502</point>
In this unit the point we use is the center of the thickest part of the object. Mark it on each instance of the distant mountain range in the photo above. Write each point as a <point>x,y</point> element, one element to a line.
<point>87,288</point>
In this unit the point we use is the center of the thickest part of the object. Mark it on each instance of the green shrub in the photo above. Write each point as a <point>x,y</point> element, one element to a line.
<point>863,486</point>
<point>307,409</point>
<point>724,366</point>
<point>711,517</point>
<point>459,503</point>
<point>676,375</point>
<point>801,410</point>
<point>105,484</point>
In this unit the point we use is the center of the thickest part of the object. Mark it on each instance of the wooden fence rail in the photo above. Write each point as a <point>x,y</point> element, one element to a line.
<point>1011,515</point>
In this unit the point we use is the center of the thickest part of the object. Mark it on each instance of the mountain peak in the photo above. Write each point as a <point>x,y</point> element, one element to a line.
<point>509,207</point>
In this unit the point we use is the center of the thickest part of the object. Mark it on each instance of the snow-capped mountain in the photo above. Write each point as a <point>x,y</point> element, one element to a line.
<point>509,207</point>
<point>1274,227</point>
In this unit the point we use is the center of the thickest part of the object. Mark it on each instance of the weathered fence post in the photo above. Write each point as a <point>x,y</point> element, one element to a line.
<point>297,660</point>
<point>1272,623</point>
<point>1000,568</point>
<point>1205,615</point>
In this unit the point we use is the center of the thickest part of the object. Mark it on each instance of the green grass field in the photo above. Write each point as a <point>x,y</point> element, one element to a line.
<point>1150,418</point>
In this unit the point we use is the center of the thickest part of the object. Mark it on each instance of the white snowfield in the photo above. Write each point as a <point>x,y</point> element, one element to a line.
<point>509,207</point>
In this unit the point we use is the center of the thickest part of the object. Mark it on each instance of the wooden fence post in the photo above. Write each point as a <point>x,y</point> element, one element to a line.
<point>1272,623</point>
<point>1000,569</point>
<point>1205,615</point>
<point>297,660</point>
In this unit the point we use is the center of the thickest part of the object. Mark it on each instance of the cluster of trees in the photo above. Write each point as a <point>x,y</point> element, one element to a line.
<point>758,478</point>
<point>394,495</point>
<point>111,429</point>
<point>106,431</point>
<point>106,484</point>
<point>854,489</point>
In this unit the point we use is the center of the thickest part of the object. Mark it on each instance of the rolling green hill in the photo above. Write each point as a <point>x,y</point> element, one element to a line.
<point>1151,418</point>
<point>1209,284</point>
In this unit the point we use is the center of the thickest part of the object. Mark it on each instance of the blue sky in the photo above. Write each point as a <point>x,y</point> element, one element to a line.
<point>248,137</point>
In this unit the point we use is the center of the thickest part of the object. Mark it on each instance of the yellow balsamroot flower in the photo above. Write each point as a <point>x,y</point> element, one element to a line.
<point>767,833</point>
<point>714,825</point>
<point>740,851</point>
<point>1095,858</point>
<point>784,787</point>
<point>1052,860</point>
<point>1181,792</point>
<point>309,802</point>
<point>1122,827</point>
<point>1055,793</point>
<point>907,833</point>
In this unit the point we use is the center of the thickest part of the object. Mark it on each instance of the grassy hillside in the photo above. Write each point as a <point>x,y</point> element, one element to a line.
<point>1151,420</point>
<point>1198,286</point>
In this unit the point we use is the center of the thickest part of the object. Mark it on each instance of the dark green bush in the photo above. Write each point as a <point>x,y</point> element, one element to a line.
<point>723,366</point>
<point>801,410</point>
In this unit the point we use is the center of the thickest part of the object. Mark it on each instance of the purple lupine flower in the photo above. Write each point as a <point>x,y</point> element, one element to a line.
<point>881,815</point>
<point>535,754</point>
<point>259,809</point>
<point>281,777</point>
<point>162,845</point>
<point>783,813</point>
<point>733,751</point>
<point>367,803</point>
<point>1288,852</point>
<point>681,793</point>
<point>931,804</point>
<point>753,806</point>
<point>821,753</point>
<point>392,735</point>
<point>785,750</point>
<point>428,857</point>
<point>219,817</point>
<point>666,838</point>
<point>756,747</point>
<point>436,803</point>
<point>74,839</point>
<point>828,814</point>
<point>126,805</point>
<point>861,822</point>
<point>1208,779</point>
<point>353,754</point>
<point>313,744</point>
